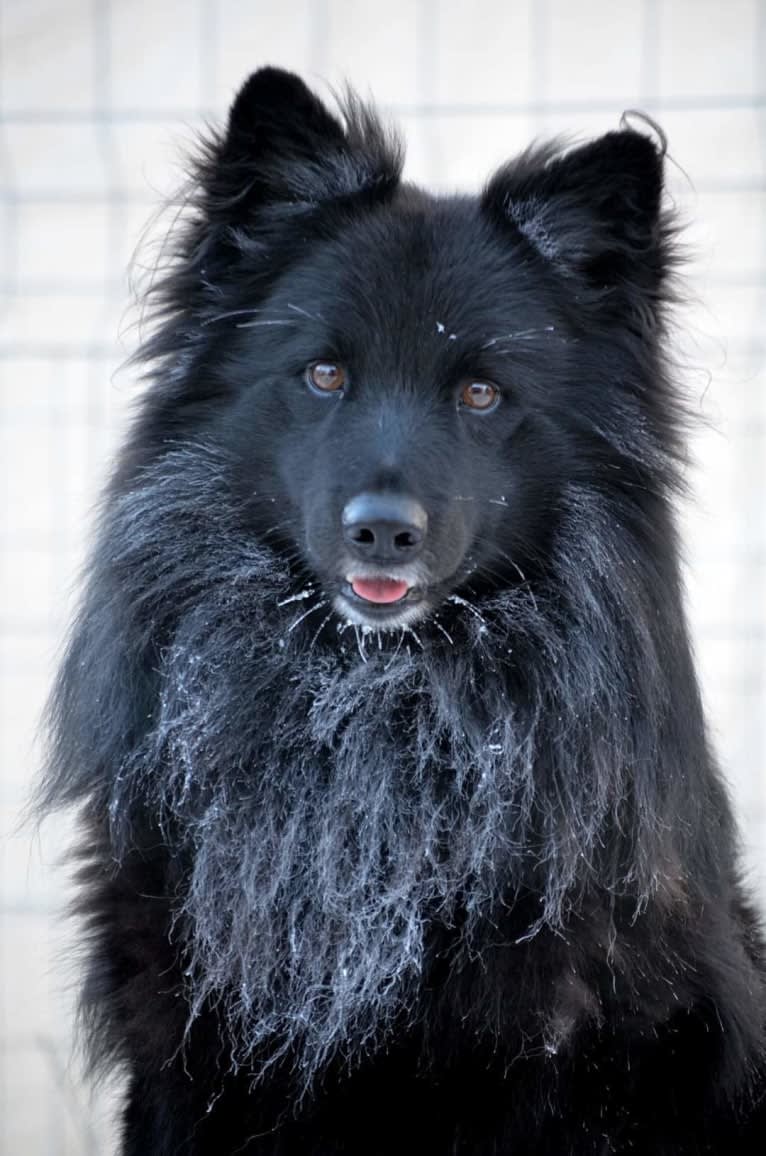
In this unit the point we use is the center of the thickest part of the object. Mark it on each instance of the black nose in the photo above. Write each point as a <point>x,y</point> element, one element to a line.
<point>384,527</point>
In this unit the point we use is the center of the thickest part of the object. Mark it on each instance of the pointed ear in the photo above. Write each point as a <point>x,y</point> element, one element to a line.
<point>594,212</point>
<point>284,149</point>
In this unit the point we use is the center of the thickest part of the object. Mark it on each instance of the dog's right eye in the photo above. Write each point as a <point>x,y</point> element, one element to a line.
<point>326,377</point>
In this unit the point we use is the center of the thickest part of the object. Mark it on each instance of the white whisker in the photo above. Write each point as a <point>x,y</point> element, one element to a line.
<point>305,312</point>
<point>525,580</point>
<point>463,602</point>
<point>520,335</point>
<point>446,634</point>
<point>299,597</point>
<point>395,655</point>
<point>409,630</point>
<point>232,313</point>
<point>253,324</point>
<point>319,630</point>
<point>360,644</point>
<point>305,614</point>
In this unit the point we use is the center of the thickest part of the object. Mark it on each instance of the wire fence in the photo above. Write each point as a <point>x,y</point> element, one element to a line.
<point>94,97</point>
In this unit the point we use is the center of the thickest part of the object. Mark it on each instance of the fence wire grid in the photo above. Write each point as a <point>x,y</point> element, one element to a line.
<point>95,98</point>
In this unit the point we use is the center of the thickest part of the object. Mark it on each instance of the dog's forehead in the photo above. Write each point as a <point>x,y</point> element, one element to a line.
<point>426,266</point>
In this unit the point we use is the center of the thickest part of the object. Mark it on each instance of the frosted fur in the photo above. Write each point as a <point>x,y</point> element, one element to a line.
<point>529,217</point>
<point>333,803</point>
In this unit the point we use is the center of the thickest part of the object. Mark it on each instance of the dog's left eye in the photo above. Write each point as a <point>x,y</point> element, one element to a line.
<point>481,396</point>
<point>326,377</point>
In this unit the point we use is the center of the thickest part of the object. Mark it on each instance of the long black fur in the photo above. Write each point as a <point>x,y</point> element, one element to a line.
<point>469,884</point>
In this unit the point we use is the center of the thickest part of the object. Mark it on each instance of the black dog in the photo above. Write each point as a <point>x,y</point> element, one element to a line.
<point>402,833</point>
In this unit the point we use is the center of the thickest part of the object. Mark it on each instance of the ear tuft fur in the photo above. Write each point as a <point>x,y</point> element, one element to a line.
<point>283,147</point>
<point>593,212</point>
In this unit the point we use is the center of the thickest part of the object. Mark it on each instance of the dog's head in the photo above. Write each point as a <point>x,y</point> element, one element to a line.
<point>404,383</point>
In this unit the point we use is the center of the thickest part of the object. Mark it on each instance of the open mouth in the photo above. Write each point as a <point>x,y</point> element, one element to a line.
<point>378,597</point>
<point>381,591</point>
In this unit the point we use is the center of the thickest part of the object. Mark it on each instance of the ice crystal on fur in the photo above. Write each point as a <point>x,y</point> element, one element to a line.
<point>331,808</point>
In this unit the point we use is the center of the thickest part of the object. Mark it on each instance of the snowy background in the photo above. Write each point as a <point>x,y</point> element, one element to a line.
<point>96,96</point>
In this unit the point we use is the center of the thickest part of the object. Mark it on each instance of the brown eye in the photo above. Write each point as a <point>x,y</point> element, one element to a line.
<point>326,376</point>
<point>481,396</point>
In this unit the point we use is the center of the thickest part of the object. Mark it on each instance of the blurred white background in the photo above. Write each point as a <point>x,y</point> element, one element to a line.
<point>95,98</point>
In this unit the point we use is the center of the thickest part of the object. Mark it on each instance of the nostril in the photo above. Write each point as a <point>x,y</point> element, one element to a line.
<point>363,535</point>
<point>407,539</point>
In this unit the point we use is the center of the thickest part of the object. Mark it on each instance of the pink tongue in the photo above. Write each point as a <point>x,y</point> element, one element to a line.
<point>379,589</point>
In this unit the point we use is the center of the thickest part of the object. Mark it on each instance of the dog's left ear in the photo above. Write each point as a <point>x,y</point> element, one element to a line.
<point>284,152</point>
<point>594,213</point>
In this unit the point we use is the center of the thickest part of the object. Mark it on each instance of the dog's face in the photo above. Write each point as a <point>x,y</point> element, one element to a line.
<point>395,421</point>
<point>406,383</point>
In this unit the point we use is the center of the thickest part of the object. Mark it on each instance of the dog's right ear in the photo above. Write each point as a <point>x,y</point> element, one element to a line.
<point>284,152</point>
